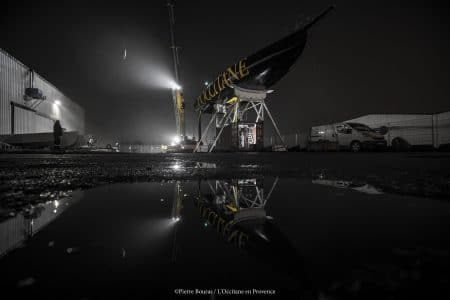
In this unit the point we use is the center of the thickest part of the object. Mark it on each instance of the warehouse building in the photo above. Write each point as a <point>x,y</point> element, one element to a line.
<point>404,131</point>
<point>400,132</point>
<point>29,105</point>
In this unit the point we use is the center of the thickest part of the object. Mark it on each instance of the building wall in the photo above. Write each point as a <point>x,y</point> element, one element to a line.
<point>18,229</point>
<point>416,129</point>
<point>40,115</point>
<point>442,122</point>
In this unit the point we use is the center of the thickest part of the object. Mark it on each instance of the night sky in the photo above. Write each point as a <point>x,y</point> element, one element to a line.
<point>364,57</point>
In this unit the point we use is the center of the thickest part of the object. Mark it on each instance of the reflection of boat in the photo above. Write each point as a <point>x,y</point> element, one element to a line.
<point>259,71</point>
<point>235,210</point>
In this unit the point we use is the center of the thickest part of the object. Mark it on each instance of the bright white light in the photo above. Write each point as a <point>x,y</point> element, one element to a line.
<point>270,91</point>
<point>56,109</point>
<point>176,219</point>
<point>174,85</point>
<point>176,139</point>
<point>206,83</point>
<point>176,167</point>
<point>56,203</point>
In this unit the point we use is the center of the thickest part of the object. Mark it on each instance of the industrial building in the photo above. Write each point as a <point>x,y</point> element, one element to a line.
<point>405,131</point>
<point>29,105</point>
<point>399,132</point>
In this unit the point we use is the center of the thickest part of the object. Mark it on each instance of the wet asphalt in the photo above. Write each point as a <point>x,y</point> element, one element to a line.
<point>33,178</point>
<point>338,226</point>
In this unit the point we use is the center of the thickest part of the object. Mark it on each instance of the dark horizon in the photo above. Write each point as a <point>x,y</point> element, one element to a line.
<point>361,59</point>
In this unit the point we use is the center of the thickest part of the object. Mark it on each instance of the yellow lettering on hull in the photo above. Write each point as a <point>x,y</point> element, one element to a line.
<point>224,80</point>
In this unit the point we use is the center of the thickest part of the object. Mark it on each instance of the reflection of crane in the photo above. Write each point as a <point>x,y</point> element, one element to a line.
<point>176,215</point>
<point>177,94</point>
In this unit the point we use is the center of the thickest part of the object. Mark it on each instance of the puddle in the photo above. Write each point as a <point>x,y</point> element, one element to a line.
<point>320,238</point>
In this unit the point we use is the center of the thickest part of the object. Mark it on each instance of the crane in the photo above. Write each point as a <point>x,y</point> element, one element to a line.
<point>177,94</point>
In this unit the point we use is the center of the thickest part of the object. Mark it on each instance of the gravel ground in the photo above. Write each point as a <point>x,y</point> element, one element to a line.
<point>28,179</point>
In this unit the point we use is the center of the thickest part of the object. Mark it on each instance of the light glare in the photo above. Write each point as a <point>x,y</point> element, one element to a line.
<point>175,86</point>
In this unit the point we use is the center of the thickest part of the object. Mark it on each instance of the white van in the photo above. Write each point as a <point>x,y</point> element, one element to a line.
<point>352,136</point>
<point>411,131</point>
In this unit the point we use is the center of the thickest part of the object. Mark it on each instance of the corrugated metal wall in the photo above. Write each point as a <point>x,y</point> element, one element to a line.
<point>24,120</point>
<point>443,128</point>
<point>43,124</point>
<point>14,231</point>
<point>14,78</point>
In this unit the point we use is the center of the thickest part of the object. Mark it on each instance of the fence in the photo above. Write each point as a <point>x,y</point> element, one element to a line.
<point>400,131</point>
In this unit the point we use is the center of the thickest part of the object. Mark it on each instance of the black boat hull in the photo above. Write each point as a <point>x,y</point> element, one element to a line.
<point>259,71</point>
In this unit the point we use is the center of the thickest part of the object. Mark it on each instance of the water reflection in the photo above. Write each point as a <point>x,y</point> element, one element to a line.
<point>235,209</point>
<point>16,231</point>
<point>361,187</point>
<point>287,234</point>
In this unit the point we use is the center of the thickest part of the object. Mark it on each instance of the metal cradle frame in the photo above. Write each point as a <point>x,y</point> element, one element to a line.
<point>225,114</point>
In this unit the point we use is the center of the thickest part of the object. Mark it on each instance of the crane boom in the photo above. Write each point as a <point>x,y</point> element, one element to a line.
<point>177,95</point>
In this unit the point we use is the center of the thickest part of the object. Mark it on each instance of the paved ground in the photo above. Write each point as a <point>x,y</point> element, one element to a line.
<point>32,178</point>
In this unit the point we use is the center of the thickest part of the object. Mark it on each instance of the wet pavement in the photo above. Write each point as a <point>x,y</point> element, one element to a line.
<point>292,226</point>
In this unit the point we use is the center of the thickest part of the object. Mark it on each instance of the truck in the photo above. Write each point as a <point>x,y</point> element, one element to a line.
<point>351,136</point>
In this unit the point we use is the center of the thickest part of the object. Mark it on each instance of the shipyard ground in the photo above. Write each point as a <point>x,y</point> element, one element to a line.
<point>32,178</point>
<point>305,226</point>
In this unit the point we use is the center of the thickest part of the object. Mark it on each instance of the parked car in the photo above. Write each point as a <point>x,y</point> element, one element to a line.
<point>355,137</point>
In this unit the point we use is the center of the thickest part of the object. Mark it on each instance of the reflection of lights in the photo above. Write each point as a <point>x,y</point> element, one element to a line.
<point>321,132</point>
<point>57,102</point>
<point>262,235</point>
<point>176,219</point>
<point>56,203</point>
<point>270,91</point>
<point>176,167</point>
<point>54,211</point>
<point>206,83</point>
